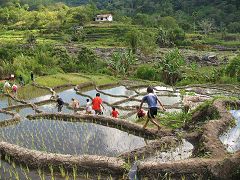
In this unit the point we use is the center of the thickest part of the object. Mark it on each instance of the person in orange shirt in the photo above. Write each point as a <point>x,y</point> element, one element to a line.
<point>115,113</point>
<point>97,104</point>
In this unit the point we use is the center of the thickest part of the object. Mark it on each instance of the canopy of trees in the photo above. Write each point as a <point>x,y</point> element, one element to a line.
<point>189,14</point>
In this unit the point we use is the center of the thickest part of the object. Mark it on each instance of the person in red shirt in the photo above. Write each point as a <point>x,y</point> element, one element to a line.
<point>115,113</point>
<point>97,104</point>
<point>140,112</point>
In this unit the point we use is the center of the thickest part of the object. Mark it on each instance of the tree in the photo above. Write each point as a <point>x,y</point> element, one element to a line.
<point>171,37</point>
<point>234,27</point>
<point>133,38</point>
<point>168,22</point>
<point>206,25</point>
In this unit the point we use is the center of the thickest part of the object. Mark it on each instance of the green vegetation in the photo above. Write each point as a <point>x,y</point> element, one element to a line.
<point>52,38</point>
<point>75,79</point>
<point>30,92</point>
<point>100,79</point>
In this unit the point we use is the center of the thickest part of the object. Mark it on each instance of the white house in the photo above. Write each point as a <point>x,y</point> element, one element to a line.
<point>104,17</point>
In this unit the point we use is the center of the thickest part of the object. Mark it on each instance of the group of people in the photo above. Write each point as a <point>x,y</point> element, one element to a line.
<point>96,107</point>
<point>8,88</point>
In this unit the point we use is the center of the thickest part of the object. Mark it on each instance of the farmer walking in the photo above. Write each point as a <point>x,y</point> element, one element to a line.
<point>60,103</point>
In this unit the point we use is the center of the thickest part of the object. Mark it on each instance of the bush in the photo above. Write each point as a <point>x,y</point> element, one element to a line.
<point>147,72</point>
<point>233,68</point>
<point>171,37</point>
<point>234,27</point>
<point>171,66</point>
<point>87,61</point>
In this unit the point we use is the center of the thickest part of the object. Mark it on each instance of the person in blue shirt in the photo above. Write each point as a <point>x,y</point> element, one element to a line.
<point>151,99</point>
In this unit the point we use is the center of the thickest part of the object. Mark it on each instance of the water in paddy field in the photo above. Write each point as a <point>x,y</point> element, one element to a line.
<point>183,151</point>
<point>132,103</point>
<point>23,112</point>
<point>105,98</point>
<point>163,88</point>
<point>74,138</point>
<point>120,90</point>
<point>6,101</point>
<point>41,98</point>
<point>4,116</point>
<point>52,108</point>
<point>68,94</point>
<point>232,137</point>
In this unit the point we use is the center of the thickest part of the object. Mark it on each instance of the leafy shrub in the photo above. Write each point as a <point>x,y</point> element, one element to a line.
<point>87,61</point>
<point>122,63</point>
<point>233,68</point>
<point>171,37</point>
<point>171,67</point>
<point>147,72</point>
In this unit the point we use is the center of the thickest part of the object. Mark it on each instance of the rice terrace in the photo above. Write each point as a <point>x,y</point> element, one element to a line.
<point>119,90</point>
<point>39,142</point>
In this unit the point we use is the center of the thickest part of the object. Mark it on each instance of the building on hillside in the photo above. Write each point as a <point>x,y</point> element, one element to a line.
<point>104,17</point>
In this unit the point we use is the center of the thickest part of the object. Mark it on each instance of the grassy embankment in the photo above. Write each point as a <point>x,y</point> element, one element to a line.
<point>29,91</point>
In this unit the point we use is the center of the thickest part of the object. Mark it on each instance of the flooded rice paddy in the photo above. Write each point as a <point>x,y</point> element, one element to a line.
<point>4,116</point>
<point>183,151</point>
<point>232,137</point>
<point>6,101</point>
<point>79,138</point>
<point>76,138</point>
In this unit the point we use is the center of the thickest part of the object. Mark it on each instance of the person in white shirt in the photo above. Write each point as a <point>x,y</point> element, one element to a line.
<point>7,87</point>
<point>88,107</point>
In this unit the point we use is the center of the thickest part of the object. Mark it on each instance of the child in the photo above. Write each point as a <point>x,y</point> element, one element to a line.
<point>75,104</point>
<point>88,107</point>
<point>115,113</point>
<point>140,112</point>
<point>14,89</point>
<point>151,99</point>
<point>97,104</point>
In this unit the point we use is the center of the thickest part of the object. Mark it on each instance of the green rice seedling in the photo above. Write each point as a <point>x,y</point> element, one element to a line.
<point>51,171</point>
<point>41,174</point>
<point>4,169</point>
<point>67,176</point>
<point>135,157</point>
<point>10,173</point>
<point>16,175</point>
<point>13,164</point>
<point>27,168</point>
<point>74,172</point>
<point>62,171</point>
<point>25,174</point>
